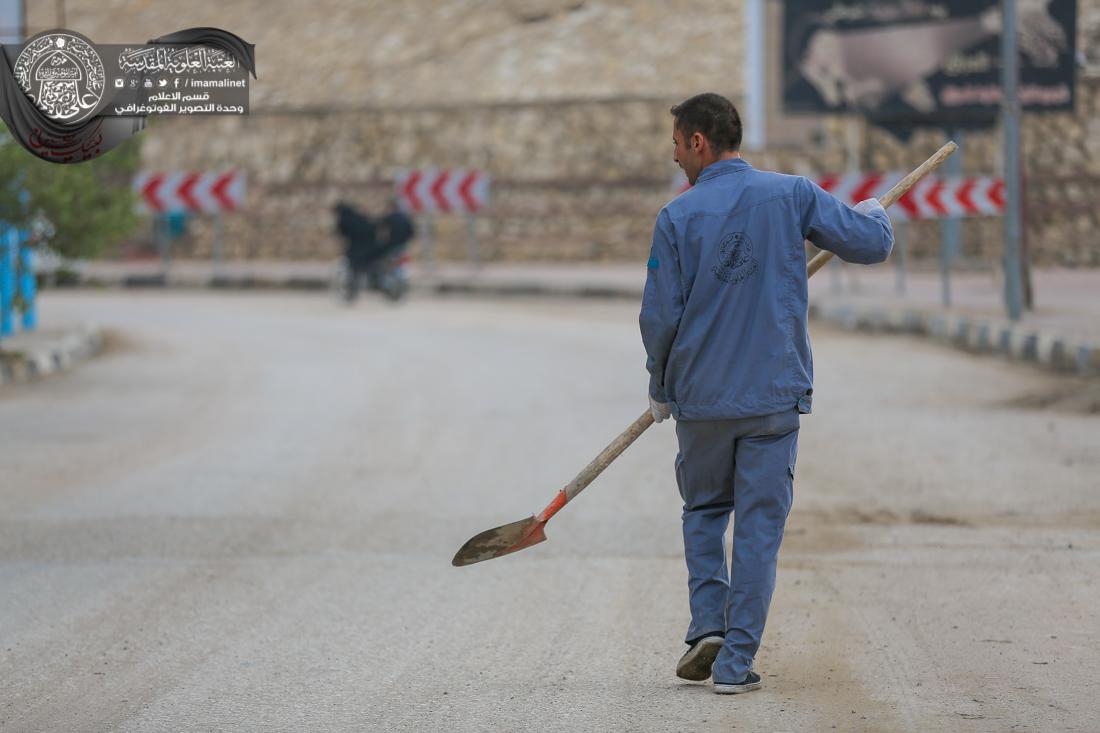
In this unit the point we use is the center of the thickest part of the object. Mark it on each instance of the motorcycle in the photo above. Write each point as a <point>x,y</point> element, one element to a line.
<point>382,260</point>
<point>388,275</point>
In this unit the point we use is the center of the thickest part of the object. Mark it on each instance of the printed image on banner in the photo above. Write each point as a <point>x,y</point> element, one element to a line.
<point>923,61</point>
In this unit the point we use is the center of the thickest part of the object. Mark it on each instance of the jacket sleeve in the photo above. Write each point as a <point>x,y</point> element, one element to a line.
<point>829,224</point>
<point>662,304</point>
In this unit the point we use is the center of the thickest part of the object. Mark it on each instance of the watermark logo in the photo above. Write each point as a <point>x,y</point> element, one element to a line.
<point>63,74</point>
<point>67,100</point>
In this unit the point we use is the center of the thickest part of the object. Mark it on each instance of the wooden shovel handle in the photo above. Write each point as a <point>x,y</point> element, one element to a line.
<point>610,453</point>
<point>639,426</point>
<point>900,189</point>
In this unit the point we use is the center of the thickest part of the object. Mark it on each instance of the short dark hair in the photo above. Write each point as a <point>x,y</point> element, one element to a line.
<point>712,115</point>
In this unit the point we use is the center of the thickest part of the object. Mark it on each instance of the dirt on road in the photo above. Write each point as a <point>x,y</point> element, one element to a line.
<point>242,518</point>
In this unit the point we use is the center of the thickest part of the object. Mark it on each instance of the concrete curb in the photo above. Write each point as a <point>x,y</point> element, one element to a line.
<point>212,282</point>
<point>975,334</point>
<point>25,358</point>
<point>425,283</point>
<point>527,289</point>
<point>970,333</point>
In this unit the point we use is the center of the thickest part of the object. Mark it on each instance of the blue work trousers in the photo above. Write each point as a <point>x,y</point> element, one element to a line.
<point>744,467</point>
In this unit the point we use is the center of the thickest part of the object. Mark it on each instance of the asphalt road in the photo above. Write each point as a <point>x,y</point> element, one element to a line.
<point>241,518</point>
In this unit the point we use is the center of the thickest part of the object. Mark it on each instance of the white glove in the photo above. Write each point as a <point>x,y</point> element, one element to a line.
<point>661,411</point>
<point>866,206</point>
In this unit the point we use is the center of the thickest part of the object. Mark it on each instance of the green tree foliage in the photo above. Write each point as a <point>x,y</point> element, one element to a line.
<point>89,204</point>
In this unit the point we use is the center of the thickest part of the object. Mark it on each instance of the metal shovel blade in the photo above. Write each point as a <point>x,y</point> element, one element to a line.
<point>501,541</point>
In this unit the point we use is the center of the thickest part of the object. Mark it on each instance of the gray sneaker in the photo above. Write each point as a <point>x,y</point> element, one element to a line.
<point>750,683</point>
<point>696,663</point>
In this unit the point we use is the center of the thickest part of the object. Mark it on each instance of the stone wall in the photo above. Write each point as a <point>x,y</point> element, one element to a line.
<point>592,197</point>
<point>595,196</point>
<point>565,104</point>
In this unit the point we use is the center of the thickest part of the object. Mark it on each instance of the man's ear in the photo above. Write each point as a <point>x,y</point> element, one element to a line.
<point>698,142</point>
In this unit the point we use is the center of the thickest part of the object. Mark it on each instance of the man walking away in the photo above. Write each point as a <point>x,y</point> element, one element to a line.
<point>723,321</point>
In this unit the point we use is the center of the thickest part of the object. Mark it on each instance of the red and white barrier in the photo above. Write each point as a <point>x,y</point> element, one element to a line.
<point>444,191</point>
<point>932,198</point>
<point>195,192</point>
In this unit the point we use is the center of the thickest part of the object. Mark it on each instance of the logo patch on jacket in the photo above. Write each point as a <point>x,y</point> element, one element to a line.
<point>735,260</point>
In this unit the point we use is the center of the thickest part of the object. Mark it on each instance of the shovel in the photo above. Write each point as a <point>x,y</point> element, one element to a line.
<point>520,535</point>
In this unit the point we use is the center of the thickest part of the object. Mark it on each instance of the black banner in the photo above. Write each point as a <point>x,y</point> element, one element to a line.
<point>923,61</point>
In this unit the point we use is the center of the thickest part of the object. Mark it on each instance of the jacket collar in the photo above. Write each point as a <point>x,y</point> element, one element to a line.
<point>722,167</point>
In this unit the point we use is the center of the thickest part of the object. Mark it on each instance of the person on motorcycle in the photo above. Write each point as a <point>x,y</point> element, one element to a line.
<point>398,229</point>
<point>360,244</point>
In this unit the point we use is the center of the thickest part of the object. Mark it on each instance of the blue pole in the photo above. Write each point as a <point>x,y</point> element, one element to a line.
<point>29,286</point>
<point>7,281</point>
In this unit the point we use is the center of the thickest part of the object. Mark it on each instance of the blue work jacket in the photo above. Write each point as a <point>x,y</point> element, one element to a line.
<point>725,305</point>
